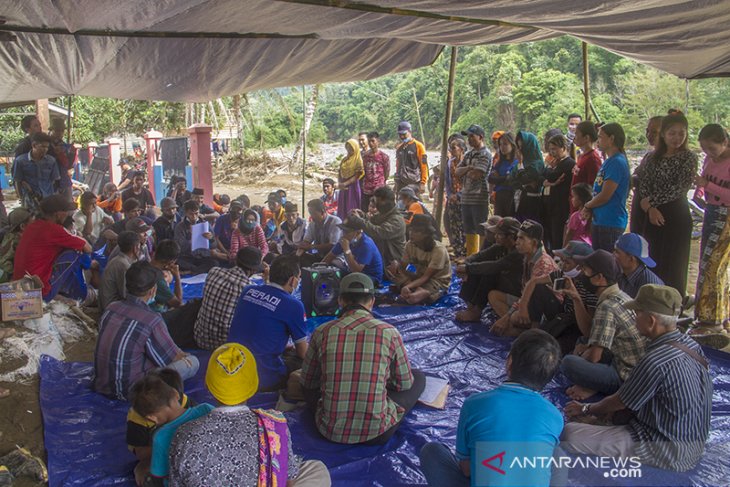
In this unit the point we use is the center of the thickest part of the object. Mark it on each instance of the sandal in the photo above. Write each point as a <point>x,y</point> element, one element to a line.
<point>712,336</point>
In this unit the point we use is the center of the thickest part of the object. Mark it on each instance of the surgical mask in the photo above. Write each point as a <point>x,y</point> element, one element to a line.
<point>406,141</point>
<point>401,205</point>
<point>283,200</point>
<point>573,273</point>
<point>151,301</point>
<point>247,227</point>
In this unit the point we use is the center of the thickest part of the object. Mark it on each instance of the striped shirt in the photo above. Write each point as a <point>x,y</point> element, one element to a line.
<point>133,340</point>
<point>220,296</point>
<point>671,394</point>
<point>353,361</point>
<point>614,327</point>
<point>642,275</point>
<point>476,191</point>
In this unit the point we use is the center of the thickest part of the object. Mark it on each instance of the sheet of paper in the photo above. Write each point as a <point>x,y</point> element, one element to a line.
<point>198,241</point>
<point>434,386</point>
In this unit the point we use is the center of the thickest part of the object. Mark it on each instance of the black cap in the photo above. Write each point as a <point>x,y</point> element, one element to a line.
<point>601,262</point>
<point>423,223</point>
<point>352,224</point>
<point>274,197</point>
<point>508,226</point>
<point>249,258</point>
<point>198,191</point>
<point>532,229</point>
<point>476,130</point>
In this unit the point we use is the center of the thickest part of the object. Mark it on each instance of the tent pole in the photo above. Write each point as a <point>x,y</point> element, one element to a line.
<point>68,119</point>
<point>304,143</point>
<point>445,138</point>
<point>586,82</point>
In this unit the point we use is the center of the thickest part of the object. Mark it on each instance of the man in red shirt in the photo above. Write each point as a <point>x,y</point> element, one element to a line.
<point>44,239</point>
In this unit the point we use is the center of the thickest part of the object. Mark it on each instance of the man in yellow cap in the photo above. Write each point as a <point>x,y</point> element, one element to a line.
<point>227,439</point>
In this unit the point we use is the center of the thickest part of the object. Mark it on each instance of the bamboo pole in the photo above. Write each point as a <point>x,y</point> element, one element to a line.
<point>445,138</point>
<point>418,116</point>
<point>68,119</point>
<point>586,82</point>
<point>304,145</point>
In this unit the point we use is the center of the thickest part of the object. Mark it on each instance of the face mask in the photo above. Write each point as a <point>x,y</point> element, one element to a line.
<point>401,205</point>
<point>572,273</point>
<point>406,141</point>
<point>151,301</point>
<point>587,284</point>
<point>247,227</point>
<point>283,200</point>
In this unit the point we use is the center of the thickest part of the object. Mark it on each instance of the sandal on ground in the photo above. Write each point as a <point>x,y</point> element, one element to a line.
<point>710,336</point>
<point>23,463</point>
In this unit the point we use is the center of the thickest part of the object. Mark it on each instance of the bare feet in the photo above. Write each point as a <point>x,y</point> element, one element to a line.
<point>471,313</point>
<point>579,393</point>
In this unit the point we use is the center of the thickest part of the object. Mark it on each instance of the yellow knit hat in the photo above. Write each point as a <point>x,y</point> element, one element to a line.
<point>232,377</point>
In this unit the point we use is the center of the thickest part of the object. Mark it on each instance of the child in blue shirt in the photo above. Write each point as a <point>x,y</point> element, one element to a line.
<point>153,399</point>
<point>500,425</point>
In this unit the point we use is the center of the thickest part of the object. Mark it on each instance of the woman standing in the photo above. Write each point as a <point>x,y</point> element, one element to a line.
<point>351,170</point>
<point>556,191</point>
<point>662,192</point>
<point>528,179</point>
<point>504,194</point>
<point>452,212</point>
<point>712,306</point>
<point>590,160</point>
<point>611,189</point>
<point>638,217</point>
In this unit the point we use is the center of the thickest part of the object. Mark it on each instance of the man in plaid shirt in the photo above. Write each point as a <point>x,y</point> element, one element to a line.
<point>220,296</point>
<point>613,330</point>
<point>356,372</point>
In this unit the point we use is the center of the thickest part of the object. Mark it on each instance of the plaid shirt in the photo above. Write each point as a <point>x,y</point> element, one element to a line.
<point>222,289</point>
<point>353,361</point>
<point>614,328</point>
<point>133,340</point>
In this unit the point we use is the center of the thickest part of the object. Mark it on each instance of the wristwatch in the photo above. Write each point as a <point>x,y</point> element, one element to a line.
<point>586,409</point>
<point>348,252</point>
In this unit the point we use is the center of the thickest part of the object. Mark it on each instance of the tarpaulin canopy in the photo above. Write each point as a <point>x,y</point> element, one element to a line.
<point>195,50</point>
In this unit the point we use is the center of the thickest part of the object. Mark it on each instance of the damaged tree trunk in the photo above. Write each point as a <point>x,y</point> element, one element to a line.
<point>308,116</point>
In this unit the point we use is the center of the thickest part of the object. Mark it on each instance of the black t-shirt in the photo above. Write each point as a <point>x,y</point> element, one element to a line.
<point>145,198</point>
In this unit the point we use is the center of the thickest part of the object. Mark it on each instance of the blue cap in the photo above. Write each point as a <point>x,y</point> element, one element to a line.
<point>634,244</point>
<point>574,248</point>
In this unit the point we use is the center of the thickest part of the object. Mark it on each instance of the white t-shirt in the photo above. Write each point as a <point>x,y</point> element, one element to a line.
<point>97,217</point>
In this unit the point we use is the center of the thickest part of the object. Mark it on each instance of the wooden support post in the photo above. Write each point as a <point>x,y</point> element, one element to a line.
<point>445,138</point>
<point>201,160</point>
<point>41,111</point>
<point>586,82</point>
<point>69,121</point>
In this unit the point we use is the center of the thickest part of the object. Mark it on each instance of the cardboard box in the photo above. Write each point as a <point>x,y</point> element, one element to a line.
<point>22,299</point>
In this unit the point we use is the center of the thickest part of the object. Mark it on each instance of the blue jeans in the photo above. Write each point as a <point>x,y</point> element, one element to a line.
<point>187,366</point>
<point>440,466</point>
<point>473,216</point>
<point>599,377</point>
<point>605,237</point>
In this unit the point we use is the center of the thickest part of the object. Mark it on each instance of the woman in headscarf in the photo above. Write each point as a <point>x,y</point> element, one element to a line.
<point>248,234</point>
<point>351,170</point>
<point>662,193</point>
<point>528,179</point>
<point>504,194</point>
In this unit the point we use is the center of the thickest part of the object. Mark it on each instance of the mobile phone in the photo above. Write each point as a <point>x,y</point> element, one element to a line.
<point>559,283</point>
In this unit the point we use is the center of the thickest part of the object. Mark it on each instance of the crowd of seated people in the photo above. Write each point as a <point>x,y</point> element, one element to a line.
<point>556,268</point>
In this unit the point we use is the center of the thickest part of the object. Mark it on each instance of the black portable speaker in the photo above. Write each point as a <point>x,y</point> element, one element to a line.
<point>320,290</point>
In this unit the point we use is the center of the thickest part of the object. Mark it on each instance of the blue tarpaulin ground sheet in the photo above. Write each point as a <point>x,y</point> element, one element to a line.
<point>85,432</point>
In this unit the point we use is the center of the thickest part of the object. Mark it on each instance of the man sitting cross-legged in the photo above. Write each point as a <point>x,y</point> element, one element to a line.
<point>266,317</point>
<point>513,310</point>
<point>220,296</point>
<point>513,412</point>
<point>432,276</point>
<point>669,392</point>
<point>133,339</point>
<point>498,267</point>
<point>358,251</point>
<point>356,374</point>
<point>592,369</point>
